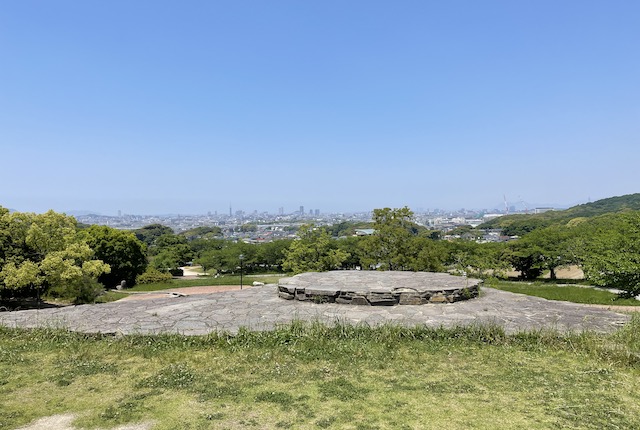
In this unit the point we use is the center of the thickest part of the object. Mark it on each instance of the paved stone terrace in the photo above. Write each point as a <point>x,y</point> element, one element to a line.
<point>260,308</point>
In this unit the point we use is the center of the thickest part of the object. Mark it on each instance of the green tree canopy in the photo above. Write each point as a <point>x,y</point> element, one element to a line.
<point>44,253</point>
<point>389,247</point>
<point>148,234</point>
<point>202,233</point>
<point>543,249</point>
<point>313,251</point>
<point>121,250</point>
<point>611,251</point>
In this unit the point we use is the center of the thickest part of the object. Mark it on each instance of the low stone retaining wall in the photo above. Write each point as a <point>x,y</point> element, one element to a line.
<point>378,288</point>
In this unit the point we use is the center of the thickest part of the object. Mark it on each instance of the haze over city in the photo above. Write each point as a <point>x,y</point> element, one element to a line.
<point>170,107</point>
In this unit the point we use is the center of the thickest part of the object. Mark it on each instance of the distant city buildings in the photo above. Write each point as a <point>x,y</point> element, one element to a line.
<point>542,210</point>
<point>282,225</point>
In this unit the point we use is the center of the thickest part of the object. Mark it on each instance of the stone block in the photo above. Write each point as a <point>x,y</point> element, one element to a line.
<point>381,299</point>
<point>291,289</point>
<point>359,300</point>
<point>300,295</point>
<point>411,299</point>
<point>285,295</point>
<point>321,292</point>
<point>438,299</point>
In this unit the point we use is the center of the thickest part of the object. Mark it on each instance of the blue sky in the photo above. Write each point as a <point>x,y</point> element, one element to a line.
<point>187,107</point>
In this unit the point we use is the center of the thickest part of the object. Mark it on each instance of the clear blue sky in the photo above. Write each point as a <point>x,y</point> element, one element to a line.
<point>188,106</point>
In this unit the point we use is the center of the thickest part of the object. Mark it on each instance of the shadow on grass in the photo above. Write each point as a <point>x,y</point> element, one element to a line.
<point>25,304</point>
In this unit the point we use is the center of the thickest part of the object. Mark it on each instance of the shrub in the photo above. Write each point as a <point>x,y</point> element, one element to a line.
<point>84,291</point>
<point>176,272</point>
<point>152,276</point>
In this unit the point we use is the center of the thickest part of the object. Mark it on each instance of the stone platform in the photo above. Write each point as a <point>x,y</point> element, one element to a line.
<point>378,288</point>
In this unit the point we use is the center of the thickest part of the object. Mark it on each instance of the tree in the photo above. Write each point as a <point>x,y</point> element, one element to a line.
<point>209,259</point>
<point>528,261</point>
<point>148,234</point>
<point>44,253</point>
<point>611,251</point>
<point>313,251</point>
<point>121,250</point>
<point>477,259</point>
<point>171,251</point>
<point>271,255</point>
<point>388,247</point>
<point>556,247</point>
<point>428,255</point>
<point>165,261</point>
<point>202,233</point>
<point>351,245</point>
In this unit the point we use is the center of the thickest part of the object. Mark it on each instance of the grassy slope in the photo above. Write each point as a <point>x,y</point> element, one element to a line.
<point>318,377</point>
<point>567,293</point>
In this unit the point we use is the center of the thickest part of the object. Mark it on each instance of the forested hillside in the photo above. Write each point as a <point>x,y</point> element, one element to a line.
<point>521,224</point>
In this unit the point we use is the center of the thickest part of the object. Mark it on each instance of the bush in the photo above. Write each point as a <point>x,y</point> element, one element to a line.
<point>83,291</point>
<point>152,276</point>
<point>176,272</point>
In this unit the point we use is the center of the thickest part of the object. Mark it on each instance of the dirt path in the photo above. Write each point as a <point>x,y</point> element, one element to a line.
<point>63,422</point>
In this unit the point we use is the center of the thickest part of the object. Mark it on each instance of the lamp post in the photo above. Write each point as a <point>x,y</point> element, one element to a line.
<point>241,257</point>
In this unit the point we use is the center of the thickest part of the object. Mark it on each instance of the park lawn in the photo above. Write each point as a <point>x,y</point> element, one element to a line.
<point>208,281</point>
<point>568,293</point>
<point>309,376</point>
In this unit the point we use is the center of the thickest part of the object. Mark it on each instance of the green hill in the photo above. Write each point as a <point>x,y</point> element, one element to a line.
<point>521,224</point>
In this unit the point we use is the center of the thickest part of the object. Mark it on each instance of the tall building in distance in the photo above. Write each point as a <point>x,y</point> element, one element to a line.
<point>280,210</point>
<point>301,210</point>
<point>317,212</point>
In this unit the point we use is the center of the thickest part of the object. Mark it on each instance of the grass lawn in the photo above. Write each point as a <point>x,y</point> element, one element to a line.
<point>312,377</point>
<point>207,281</point>
<point>569,293</point>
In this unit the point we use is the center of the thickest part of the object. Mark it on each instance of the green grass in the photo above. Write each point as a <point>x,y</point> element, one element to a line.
<point>567,293</point>
<point>111,296</point>
<point>207,281</point>
<point>310,376</point>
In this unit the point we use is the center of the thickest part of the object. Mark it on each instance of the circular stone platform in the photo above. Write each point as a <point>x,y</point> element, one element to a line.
<point>378,288</point>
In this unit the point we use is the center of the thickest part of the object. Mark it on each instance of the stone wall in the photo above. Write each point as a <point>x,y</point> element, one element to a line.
<point>397,296</point>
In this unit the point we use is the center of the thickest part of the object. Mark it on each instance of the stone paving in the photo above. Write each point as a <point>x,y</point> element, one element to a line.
<point>260,308</point>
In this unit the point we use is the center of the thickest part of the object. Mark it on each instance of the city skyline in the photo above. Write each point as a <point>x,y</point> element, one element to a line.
<point>513,205</point>
<point>231,211</point>
<point>165,107</point>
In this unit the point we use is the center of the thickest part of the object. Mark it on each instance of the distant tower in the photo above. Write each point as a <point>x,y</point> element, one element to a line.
<point>281,210</point>
<point>230,214</point>
<point>317,212</point>
<point>119,213</point>
<point>301,210</point>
